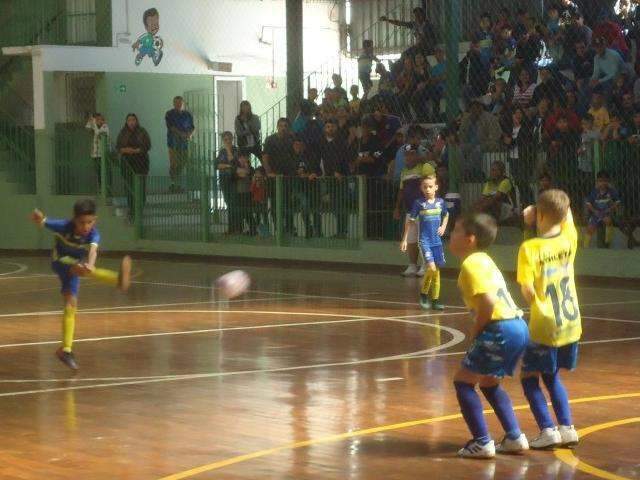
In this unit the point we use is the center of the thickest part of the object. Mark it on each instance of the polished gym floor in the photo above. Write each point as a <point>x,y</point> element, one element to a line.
<point>314,374</point>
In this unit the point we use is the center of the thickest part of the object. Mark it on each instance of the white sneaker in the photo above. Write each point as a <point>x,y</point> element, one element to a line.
<point>568,435</point>
<point>549,438</point>
<point>410,271</point>
<point>420,272</point>
<point>518,445</point>
<point>475,450</point>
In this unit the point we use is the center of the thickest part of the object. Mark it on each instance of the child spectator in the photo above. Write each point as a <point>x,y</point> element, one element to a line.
<point>259,201</point>
<point>100,129</point>
<point>354,103</point>
<point>505,48</point>
<point>497,194</point>
<point>601,205</point>
<point>615,131</point>
<point>588,141</point>
<point>365,60</point>
<point>553,19</point>
<point>243,173</point>
<point>484,38</point>
<point>563,153</point>
<point>502,22</point>
<point>340,93</point>
<point>599,112</point>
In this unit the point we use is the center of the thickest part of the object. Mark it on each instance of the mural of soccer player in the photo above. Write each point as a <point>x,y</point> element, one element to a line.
<point>149,43</point>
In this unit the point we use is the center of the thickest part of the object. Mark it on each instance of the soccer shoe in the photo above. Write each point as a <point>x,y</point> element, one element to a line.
<point>518,445</point>
<point>568,435</point>
<point>67,358</point>
<point>425,303</point>
<point>420,272</point>
<point>548,439</point>
<point>436,305</point>
<point>410,271</point>
<point>124,277</point>
<point>473,449</point>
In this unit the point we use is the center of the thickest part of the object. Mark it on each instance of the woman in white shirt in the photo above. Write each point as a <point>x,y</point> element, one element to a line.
<point>523,91</point>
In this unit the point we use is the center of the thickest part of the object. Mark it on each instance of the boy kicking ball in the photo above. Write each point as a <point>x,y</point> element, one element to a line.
<point>74,255</point>
<point>432,213</point>
<point>546,278</point>
<point>499,334</point>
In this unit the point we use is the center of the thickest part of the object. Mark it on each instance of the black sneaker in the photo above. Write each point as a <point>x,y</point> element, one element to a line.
<point>436,305</point>
<point>425,303</point>
<point>67,358</point>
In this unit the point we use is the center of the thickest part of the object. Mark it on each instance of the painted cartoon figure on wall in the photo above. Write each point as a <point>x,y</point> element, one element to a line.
<point>149,43</point>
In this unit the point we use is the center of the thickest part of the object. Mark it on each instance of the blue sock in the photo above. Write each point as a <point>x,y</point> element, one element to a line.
<point>471,408</point>
<point>537,402</point>
<point>501,404</point>
<point>559,398</point>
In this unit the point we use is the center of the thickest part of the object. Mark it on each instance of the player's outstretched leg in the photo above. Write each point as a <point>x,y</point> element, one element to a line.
<point>121,279</point>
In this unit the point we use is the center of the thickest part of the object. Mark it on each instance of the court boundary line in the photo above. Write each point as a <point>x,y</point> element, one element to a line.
<point>350,319</point>
<point>21,268</point>
<point>457,337</point>
<point>568,457</point>
<point>389,302</point>
<point>357,433</point>
<point>347,319</point>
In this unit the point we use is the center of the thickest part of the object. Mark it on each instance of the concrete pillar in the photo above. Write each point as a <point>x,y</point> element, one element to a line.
<point>295,61</point>
<point>42,127</point>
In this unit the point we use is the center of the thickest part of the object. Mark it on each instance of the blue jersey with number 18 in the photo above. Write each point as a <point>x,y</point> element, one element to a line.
<point>546,264</point>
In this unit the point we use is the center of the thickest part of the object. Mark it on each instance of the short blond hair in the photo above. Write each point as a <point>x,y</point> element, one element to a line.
<point>430,177</point>
<point>554,204</point>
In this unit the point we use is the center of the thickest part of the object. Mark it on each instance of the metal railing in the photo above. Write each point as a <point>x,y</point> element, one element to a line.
<point>572,168</point>
<point>17,154</point>
<point>283,211</point>
<point>45,23</point>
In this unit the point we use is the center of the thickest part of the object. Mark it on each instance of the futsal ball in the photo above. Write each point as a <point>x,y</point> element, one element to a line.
<point>157,43</point>
<point>233,284</point>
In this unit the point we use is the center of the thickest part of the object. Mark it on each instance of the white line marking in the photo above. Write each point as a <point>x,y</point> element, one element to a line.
<point>20,268</point>
<point>606,319</point>
<point>625,302</point>
<point>610,340</point>
<point>457,337</point>
<point>101,310</point>
<point>189,332</point>
<point>349,319</point>
<point>363,294</point>
<point>268,292</point>
<point>390,379</point>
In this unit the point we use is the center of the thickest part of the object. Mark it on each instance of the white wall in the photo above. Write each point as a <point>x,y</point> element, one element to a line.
<point>195,31</point>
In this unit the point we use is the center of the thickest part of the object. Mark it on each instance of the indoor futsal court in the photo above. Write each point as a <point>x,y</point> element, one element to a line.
<point>314,374</point>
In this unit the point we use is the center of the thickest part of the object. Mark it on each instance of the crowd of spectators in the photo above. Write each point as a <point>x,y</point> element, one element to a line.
<point>544,101</point>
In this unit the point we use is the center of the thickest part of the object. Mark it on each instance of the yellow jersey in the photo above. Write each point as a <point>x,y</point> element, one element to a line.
<point>480,275</point>
<point>546,264</point>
